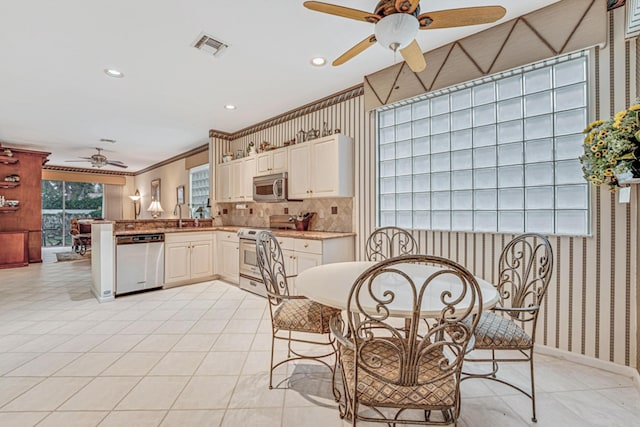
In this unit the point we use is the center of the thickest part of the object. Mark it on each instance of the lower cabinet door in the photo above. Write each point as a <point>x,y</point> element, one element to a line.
<point>201,259</point>
<point>177,262</point>
<point>230,255</point>
<point>305,261</point>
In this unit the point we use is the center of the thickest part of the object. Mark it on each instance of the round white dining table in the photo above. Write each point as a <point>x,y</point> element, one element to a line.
<point>330,284</point>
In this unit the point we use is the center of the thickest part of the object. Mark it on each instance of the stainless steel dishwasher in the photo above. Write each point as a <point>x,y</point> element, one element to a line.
<point>139,262</point>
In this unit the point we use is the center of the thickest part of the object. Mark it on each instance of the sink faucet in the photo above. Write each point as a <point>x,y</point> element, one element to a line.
<point>178,209</point>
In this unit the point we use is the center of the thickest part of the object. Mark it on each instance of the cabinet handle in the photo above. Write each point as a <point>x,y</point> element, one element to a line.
<point>306,245</point>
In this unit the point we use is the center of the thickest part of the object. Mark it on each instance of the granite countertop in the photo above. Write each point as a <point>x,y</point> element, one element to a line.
<point>310,234</point>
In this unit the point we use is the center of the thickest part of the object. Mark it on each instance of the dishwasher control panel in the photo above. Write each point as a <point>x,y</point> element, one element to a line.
<point>140,238</point>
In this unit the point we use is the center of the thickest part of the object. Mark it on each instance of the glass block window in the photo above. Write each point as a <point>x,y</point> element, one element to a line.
<point>199,186</point>
<point>499,154</point>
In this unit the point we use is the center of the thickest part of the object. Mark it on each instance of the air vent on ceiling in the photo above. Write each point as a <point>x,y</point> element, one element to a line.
<point>208,44</point>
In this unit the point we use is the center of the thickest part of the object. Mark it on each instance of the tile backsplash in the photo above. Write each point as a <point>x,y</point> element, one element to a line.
<point>257,214</point>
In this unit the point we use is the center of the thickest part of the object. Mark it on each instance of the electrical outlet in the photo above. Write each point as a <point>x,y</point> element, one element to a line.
<point>250,211</point>
<point>334,210</point>
<point>225,211</point>
<point>286,211</point>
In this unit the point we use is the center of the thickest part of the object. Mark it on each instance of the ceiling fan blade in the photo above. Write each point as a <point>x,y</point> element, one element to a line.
<point>116,163</point>
<point>357,49</point>
<point>414,57</point>
<point>406,6</point>
<point>345,12</point>
<point>460,17</point>
<point>84,161</point>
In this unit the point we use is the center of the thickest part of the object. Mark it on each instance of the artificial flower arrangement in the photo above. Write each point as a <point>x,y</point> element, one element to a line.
<point>611,147</point>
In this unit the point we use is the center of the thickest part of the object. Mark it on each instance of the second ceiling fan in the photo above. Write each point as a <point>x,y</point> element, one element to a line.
<point>397,23</point>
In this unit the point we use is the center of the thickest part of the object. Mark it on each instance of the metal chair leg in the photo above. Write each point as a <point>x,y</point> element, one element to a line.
<point>273,342</point>
<point>533,390</point>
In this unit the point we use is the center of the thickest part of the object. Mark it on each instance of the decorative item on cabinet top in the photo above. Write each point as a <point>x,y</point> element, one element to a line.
<point>7,160</point>
<point>10,181</point>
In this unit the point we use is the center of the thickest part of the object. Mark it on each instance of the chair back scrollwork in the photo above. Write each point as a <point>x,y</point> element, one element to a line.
<point>525,268</point>
<point>271,264</point>
<point>389,242</point>
<point>419,352</point>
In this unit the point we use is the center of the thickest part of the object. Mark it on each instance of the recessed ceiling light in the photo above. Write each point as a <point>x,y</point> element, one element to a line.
<point>230,107</point>
<point>318,61</point>
<point>113,73</point>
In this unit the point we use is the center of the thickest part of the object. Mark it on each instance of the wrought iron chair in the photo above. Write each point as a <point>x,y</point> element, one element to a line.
<point>388,242</point>
<point>525,268</point>
<point>396,377</point>
<point>292,314</point>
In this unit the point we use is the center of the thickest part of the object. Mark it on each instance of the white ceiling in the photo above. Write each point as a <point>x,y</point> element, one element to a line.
<point>55,97</point>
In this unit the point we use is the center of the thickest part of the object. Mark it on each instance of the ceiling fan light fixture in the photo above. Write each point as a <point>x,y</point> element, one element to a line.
<point>396,31</point>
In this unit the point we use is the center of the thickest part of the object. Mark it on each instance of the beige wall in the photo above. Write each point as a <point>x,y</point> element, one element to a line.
<point>171,176</point>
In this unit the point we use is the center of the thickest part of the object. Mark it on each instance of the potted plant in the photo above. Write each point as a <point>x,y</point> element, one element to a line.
<point>611,149</point>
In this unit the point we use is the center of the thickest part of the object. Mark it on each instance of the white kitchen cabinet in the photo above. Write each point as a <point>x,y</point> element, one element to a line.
<point>188,257</point>
<point>321,168</point>
<point>235,180</point>
<point>223,182</point>
<point>303,254</point>
<point>228,259</point>
<point>249,171</point>
<point>274,161</point>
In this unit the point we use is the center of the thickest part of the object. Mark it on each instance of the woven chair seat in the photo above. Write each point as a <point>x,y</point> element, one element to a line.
<point>439,394</point>
<point>497,332</point>
<point>303,315</point>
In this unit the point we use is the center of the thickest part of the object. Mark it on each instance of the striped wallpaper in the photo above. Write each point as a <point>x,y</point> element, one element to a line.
<point>592,302</point>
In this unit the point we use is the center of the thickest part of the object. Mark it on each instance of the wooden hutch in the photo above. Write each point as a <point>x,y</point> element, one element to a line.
<point>21,223</point>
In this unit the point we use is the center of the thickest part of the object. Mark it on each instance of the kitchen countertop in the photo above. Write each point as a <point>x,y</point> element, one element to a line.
<point>309,234</point>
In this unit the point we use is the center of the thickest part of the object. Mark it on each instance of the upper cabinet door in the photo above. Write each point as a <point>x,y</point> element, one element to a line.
<point>299,187</point>
<point>324,168</point>
<point>274,161</point>
<point>249,173</point>
<point>279,161</point>
<point>223,184</point>
<point>263,163</point>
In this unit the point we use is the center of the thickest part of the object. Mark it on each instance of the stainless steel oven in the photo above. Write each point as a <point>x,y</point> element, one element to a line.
<point>250,277</point>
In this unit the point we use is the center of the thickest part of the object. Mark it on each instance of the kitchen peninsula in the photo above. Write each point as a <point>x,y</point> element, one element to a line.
<point>161,255</point>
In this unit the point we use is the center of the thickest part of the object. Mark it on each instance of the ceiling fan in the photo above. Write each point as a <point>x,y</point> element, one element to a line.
<point>99,160</point>
<point>397,23</point>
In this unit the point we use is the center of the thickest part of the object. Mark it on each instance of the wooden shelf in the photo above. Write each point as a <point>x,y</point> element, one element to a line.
<point>9,209</point>
<point>9,184</point>
<point>8,160</point>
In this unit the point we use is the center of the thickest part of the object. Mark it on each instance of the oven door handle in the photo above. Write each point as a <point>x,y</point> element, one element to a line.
<point>275,188</point>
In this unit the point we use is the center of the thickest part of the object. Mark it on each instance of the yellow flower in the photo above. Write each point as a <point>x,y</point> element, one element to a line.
<point>608,172</point>
<point>598,155</point>
<point>595,124</point>
<point>635,107</point>
<point>594,148</point>
<point>601,143</point>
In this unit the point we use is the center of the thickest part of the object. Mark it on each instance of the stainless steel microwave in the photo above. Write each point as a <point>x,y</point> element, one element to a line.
<point>270,188</point>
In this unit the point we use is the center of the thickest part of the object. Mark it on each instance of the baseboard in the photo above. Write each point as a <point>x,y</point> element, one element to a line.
<point>592,362</point>
<point>102,298</point>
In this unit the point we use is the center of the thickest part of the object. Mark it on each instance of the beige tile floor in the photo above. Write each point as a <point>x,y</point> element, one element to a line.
<point>198,356</point>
